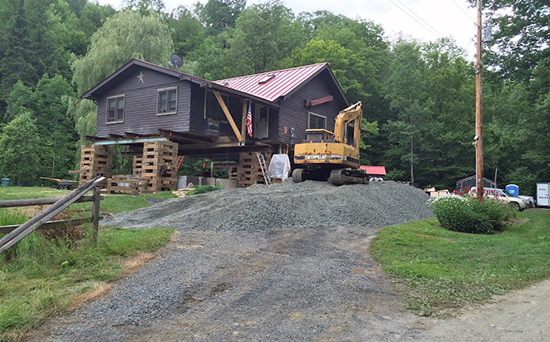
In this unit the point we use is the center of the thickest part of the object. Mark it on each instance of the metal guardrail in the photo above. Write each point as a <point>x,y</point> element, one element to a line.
<point>17,233</point>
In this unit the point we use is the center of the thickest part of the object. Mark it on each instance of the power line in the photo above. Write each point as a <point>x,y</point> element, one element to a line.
<point>420,18</point>
<point>463,11</point>
<point>424,26</point>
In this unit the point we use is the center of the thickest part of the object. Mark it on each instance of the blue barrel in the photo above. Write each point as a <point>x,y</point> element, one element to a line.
<point>5,182</point>
<point>513,190</point>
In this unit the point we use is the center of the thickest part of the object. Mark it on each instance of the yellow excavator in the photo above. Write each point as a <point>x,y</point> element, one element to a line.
<point>325,155</point>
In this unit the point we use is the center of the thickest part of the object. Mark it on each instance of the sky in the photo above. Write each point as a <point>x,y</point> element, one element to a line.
<point>424,20</point>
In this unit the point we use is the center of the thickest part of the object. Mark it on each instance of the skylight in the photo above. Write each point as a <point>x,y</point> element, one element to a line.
<point>266,78</point>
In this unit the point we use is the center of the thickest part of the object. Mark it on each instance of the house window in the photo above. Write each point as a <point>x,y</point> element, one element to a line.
<point>115,109</point>
<point>167,101</point>
<point>316,121</point>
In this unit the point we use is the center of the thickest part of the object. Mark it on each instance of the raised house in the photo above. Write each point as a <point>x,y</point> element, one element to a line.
<point>142,104</point>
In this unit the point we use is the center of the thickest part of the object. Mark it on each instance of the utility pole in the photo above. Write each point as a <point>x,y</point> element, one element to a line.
<point>479,112</point>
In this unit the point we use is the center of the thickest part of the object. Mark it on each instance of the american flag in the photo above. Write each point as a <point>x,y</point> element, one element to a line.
<point>249,119</point>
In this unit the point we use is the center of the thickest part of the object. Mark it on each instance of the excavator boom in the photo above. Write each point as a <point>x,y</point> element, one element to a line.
<point>352,113</point>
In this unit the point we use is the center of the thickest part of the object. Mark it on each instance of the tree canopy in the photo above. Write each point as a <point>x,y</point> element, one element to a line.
<point>418,98</point>
<point>124,36</point>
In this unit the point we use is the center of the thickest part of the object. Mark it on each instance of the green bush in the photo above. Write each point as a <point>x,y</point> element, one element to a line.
<point>458,214</point>
<point>494,210</point>
<point>471,214</point>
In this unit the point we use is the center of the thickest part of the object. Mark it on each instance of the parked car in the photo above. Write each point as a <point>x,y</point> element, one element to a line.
<point>514,202</point>
<point>529,200</point>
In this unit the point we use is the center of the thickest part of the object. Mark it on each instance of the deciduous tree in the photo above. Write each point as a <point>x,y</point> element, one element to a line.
<point>124,36</point>
<point>19,150</point>
<point>218,15</point>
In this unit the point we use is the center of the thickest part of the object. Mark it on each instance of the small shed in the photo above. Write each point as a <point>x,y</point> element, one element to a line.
<point>374,171</point>
<point>470,182</point>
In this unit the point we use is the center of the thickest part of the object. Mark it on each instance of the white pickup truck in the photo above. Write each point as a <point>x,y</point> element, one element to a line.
<point>514,202</point>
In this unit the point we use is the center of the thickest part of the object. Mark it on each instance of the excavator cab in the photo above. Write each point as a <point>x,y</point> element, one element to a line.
<point>318,135</point>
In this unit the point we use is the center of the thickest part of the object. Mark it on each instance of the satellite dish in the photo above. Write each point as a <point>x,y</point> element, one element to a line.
<point>176,61</point>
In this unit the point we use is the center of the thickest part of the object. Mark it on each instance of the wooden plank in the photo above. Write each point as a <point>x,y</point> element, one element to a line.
<point>187,136</point>
<point>316,102</point>
<point>228,115</point>
<point>38,201</point>
<point>129,141</point>
<point>50,224</point>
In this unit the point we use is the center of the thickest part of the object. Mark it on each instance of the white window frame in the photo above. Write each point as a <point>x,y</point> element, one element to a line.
<point>318,115</point>
<point>107,122</point>
<point>158,94</point>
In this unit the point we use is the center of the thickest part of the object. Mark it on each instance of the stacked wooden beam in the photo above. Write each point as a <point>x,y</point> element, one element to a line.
<point>249,170</point>
<point>158,166</point>
<point>234,173</point>
<point>137,165</point>
<point>95,161</point>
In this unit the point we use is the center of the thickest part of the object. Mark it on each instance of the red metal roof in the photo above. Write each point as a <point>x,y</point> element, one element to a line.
<point>284,82</point>
<point>374,170</point>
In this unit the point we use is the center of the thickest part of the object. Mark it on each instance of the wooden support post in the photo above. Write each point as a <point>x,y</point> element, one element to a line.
<point>228,115</point>
<point>243,124</point>
<point>94,227</point>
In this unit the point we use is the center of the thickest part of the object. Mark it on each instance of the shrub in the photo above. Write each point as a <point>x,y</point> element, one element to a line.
<point>457,213</point>
<point>494,210</point>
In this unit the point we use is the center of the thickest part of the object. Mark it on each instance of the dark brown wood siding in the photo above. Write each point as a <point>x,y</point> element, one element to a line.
<point>274,131</point>
<point>197,109</point>
<point>140,107</point>
<point>293,113</point>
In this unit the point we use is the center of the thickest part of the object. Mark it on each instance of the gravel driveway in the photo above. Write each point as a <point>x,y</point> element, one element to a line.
<point>313,284</point>
<point>278,263</point>
<point>258,280</point>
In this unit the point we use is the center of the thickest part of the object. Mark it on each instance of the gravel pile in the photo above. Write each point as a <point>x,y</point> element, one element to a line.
<point>280,206</point>
<point>286,262</point>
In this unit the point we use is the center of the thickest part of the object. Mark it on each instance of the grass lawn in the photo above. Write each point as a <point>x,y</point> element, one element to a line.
<point>111,203</point>
<point>40,278</point>
<point>438,271</point>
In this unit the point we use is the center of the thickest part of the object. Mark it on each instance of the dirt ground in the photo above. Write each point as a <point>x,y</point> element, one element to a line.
<point>317,284</point>
<point>522,315</point>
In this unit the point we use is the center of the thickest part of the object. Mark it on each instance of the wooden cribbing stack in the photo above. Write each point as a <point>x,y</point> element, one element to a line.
<point>250,171</point>
<point>125,184</point>
<point>158,166</point>
<point>95,161</point>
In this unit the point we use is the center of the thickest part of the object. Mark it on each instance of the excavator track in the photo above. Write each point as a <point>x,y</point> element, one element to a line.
<point>347,176</point>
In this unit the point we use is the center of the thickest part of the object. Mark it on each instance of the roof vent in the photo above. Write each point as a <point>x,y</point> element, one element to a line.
<point>266,78</point>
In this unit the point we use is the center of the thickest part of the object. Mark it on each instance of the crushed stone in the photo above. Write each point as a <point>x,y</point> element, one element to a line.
<point>286,262</point>
<point>281,206</point>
